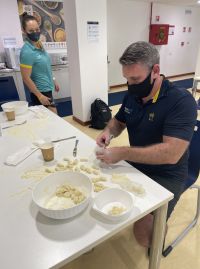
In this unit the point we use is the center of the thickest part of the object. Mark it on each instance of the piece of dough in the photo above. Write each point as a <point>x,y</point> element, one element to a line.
<point>60,164</point>
<point>99,187</point>
<point>125,183</point>
<point>50,170</point>
<point>83,159</point>
<point>98,179</point>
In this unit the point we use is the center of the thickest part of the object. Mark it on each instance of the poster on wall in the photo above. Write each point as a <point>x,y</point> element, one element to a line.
<point>50,17</point>
<point>171,29</point>
<point>93,31</point>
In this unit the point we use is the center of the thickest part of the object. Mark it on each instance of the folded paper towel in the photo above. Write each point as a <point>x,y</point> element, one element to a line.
<point>39,112</point>
<point>19,156</point>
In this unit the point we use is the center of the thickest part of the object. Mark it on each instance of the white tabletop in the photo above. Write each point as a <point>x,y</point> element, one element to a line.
<point>30,240</point>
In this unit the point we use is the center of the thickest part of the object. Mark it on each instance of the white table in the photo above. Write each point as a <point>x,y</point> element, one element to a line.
<point>30,240</point>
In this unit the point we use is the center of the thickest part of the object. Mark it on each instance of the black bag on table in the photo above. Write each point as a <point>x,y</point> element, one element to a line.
<point>100,114</point>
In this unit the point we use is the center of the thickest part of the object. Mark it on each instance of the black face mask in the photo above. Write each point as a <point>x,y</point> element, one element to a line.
<point>142,89</point>
<point>34,36</point>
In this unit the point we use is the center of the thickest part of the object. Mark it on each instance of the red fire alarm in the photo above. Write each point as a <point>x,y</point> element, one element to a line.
<point>158,34</point>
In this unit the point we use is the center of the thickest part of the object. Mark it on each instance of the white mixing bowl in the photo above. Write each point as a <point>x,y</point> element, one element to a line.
<point>48,186</point>
<point>106,199</point>
<point>20,107</point>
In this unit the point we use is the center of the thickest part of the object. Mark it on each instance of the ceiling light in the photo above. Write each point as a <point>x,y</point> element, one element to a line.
<point>198,2</point>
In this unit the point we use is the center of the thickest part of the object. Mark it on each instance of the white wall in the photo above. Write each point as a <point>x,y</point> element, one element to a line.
<point>87,60</point>
<point>9,21</point>
<point>128,22</point>
<point>176,59</point>
<point>197,69</point>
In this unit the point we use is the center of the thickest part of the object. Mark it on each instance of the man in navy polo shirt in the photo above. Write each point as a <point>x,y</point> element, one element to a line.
<point>160,120</point>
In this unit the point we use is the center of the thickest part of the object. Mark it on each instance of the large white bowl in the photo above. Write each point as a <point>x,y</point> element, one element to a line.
<point>20,107</point>
<point>47,188</point>
<point>107,198</point>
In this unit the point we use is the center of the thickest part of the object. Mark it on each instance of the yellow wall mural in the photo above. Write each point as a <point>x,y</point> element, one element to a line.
<point>50,17</point>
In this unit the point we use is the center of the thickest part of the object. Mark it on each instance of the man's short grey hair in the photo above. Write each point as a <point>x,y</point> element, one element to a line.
<point>140,53</point>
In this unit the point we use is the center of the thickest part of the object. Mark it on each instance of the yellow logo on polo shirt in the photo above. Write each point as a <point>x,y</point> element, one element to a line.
<point>128,110</point>
<point>151,116</point>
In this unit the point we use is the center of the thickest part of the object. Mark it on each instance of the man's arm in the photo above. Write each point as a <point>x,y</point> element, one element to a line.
<point>115,127</point>
<point>168,152</point>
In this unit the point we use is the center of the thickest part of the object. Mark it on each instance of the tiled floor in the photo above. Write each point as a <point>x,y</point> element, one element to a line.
<point>123,252</point>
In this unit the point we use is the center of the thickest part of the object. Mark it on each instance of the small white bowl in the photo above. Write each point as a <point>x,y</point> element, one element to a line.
<point>48,186</point>
<point>20,107</point>
<point>106,199</point>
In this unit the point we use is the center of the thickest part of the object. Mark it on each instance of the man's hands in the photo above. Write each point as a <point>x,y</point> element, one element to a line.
<point>107,155</point>
<point>113,154</point>
<point>104,138</point>
<point>110,155</point>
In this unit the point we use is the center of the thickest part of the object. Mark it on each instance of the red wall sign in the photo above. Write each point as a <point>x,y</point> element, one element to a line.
<point>159,34</point>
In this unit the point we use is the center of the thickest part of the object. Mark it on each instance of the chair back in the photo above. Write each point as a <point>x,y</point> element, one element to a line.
<point>194,157</point>
<point>8,90</point>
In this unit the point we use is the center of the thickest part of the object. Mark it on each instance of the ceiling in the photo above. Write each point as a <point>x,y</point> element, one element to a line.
<point>177,2</point>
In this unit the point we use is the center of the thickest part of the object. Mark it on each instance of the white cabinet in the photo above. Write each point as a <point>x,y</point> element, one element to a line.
<point>61,74</point>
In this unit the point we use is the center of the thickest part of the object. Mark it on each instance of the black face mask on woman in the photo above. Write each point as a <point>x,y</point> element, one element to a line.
<point>35,36</point>
<point>142,89</point>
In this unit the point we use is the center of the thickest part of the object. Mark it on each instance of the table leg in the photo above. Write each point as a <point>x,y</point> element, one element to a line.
<point>158,236</point>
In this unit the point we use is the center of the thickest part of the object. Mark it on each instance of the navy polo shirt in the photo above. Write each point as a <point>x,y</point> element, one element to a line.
<point>173,114</point>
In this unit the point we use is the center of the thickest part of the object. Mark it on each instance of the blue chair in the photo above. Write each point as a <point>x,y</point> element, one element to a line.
<point>193,173</point>
<point>8,90</point>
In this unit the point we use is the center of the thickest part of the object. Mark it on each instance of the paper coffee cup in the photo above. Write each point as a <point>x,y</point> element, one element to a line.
<point>47,151</point>
<point>10,114</point>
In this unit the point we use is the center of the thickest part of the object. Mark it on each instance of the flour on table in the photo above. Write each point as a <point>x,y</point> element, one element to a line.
<point>125,183</point>
<point>27,130</point>
<point>89,169</point>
